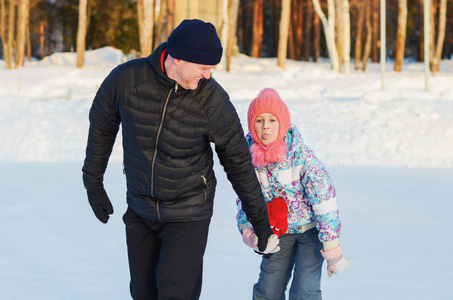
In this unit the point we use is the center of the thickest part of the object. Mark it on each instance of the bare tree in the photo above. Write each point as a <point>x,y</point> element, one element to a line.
<point>375,27</point>
<point>400,35</point>
<point>23,12</point>
<point>346,36</point>
<point>145,12</point>
<point>437,56</point>
<point>295,30</point>
<point>339,30</point>
<point>257,40</point>
<point>369,35</point>
<point>233,8</point>
<point>3,35</point>
<point>361,8</point>
<point>160,24</point>
<point>81,33</point>
<point>315,37</point>
<point>283,36</point>
<point>308,29</point>
<point>329,31</point>
<point>170,16</point>
<point>11,27</point>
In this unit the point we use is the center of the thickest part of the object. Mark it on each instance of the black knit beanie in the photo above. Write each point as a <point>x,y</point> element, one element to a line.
<point>195,41</point>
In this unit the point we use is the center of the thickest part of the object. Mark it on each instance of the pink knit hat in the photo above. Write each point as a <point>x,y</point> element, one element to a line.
<point>268,101</point>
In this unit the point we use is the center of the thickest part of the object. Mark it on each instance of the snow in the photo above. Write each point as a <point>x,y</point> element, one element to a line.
<point>389,151</point>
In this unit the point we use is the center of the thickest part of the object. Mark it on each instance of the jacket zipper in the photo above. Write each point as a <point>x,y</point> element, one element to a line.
<point>155,148</point>
<point>204,189</point>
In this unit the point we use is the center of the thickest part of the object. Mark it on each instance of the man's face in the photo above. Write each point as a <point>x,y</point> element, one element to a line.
<point>189,74</point>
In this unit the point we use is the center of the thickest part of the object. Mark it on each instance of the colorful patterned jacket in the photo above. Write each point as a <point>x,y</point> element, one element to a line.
<point>304,183</point>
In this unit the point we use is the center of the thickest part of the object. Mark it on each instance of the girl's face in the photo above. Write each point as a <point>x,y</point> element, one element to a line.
<point>266,128</point>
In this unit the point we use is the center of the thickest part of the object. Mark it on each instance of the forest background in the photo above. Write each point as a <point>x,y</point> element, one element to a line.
<point>295,29</point>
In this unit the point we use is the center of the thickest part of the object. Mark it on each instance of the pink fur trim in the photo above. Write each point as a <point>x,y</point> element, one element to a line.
<point>263,155</point>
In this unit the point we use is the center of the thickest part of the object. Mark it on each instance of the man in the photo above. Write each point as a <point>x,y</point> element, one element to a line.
<point>171,110</point>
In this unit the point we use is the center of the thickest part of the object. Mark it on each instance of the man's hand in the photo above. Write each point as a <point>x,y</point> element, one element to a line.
<point>98,199</point>
<point>267,241</point>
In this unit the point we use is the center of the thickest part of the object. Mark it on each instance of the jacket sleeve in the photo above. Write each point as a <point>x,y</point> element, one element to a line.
<point>233,152</point>
<point>321,194</point>
<point>104,125</point>
<point>241,217</point>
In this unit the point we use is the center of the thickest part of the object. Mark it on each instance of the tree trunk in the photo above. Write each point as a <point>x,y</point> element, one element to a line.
<point>295,33</point>
<point>145,10</point>
<point>257,39</point>
<point>233,8</point>
<point>11,27</point>
<point>329,31</point>
<point>41,38</point>
<point>283,36</point>
<point>375,37</point>
<point>315,44</point>
<point>440,36</point>
<point>361,8</point>
<point>432,33</point>
<point>421,45</point>
<point>400,35</point>
<point>308,29</point>
<point>81,33</point>
<point>339,30</point>
<point>3,35</point>
<point>170,16</point>
<point>369,35</point>
<point>160,23</point>
<point>23,11</point>
<point>28,41</point>
<point>347,37</point>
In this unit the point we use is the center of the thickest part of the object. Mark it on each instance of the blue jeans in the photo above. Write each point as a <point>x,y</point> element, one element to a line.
<point>300,252</point>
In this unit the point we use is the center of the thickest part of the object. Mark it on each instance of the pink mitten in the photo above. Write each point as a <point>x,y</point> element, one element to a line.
<point>249,237</point>
<point>336,262</point>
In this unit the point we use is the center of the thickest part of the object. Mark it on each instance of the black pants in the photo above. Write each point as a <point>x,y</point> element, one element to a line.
<point>165,259</point>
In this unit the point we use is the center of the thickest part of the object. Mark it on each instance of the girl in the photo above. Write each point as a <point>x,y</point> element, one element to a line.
<point>301,204</point>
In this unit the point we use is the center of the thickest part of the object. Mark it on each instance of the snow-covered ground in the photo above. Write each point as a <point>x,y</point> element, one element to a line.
<point>390,154</point>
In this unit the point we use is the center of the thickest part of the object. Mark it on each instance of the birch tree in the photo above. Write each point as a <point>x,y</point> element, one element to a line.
<point>329,31</point>
<point>400,35</point>
<point>81,33</point>
<point>437,56</point>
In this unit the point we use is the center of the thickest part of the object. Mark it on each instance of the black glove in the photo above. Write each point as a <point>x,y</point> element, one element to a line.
<point>98,199</point>
<point>263,232</point>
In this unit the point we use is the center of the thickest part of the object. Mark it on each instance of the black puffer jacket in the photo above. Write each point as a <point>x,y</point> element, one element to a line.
<point>167,135</point>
